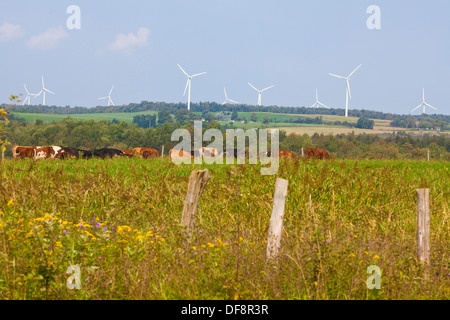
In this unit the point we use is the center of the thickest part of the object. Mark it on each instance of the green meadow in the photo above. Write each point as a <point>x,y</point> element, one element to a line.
<point>119,220</point>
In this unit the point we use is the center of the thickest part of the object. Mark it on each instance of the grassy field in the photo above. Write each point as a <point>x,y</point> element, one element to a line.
<point>49,117</point>
<point>119,221</point>
<point>381,126</point>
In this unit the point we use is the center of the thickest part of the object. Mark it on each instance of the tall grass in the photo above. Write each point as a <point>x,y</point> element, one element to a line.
<point>119,220</point>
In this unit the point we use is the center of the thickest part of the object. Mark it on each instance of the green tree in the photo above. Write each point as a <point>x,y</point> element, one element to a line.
<point>254,117</point>
<point>365,123</point>
<point>164,117</point>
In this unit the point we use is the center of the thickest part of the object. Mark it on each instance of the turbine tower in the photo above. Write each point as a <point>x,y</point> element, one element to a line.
<point>226,98</point>
<point>43,91</point>
<point>110,102</point>
<point>348,93</point>
<point>423,104</point>
<point>188,84</point>
<point>28,96</point>
<point>318,103</point>
<point>259,92</point>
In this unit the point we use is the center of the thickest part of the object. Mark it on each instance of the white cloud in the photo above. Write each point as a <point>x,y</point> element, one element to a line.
<point>10,31</point>
<point>47,40</point>
<point>124,42</point>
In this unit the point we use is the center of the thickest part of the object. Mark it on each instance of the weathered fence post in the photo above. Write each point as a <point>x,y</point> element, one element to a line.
<point>303,153</point>
<point>428,155</point>
<point>276,221</point>
<point>423,225</point>
<point>162,152</point>
<point>197,183</point>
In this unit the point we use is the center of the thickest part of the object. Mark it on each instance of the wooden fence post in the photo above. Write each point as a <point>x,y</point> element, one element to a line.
<point>303,153</point>
<point>197,183</point>
<point>162,152</point>
<point>276,221</point>
<point>428,155</point>
<point>423,225</point>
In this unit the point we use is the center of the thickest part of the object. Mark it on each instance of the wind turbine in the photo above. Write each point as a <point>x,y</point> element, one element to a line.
<point>110,102</point>
<point>424,104</point>
<point>188,84</point>
<point>318,103</point>
<point>28,96</point>
<point>43,91</point>
<point>348,93</point>
<point>259,92</point>
<point>226,98</point>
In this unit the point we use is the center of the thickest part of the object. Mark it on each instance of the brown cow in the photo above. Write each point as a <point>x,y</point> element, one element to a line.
<point>44,153</point>
<point>20,152</point>
<point>126,151</point>
<point>139,152</point>
<point>286,154</point>
<point>316,153</point>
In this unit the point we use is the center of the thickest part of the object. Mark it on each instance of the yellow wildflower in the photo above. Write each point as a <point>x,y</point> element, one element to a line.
<point>10,203</point>
<point>376,257</point>
<point>351,255</point>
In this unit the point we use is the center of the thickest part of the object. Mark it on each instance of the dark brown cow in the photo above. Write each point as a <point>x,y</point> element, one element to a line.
<point>20,152</point>
<point>316,153</point>
<point>67,153</point>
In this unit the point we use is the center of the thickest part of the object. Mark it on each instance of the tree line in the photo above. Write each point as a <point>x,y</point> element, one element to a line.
<point>90,135</point>
<point>439,121</point>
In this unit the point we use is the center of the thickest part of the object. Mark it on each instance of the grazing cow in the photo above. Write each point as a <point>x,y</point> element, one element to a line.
<point>85,154</point>
<point>180,154</point>
<point>237,152</point>
<point>286,154</point>
<point>209,152</point>
<point>316,153</point>
<point>20,152</point>
<point>67,153</point>
<point>127,152</point>
<point>44,153</point>
<point>139,152</point>
<point>107,153</point>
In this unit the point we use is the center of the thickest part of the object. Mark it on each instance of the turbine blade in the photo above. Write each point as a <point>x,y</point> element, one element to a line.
<point>429,105</point>
<point>354,71</point>
<point>225,91</point>
<point>183,70</point>
<point>340,77</point>
<point>416,108</point>
<point>185,89</point>
<point>43,82</point>
<point>349,91</point>
<point>252,86</point>
<point>323,105</point>
<point>198,74</point>
<point>26,89</point>
<point>233,101</point>
<point>267,88</point>
<point>49,91</point>
<point>111,90</point>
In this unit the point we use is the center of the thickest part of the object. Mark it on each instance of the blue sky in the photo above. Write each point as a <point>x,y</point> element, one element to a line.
<point>135,45</point>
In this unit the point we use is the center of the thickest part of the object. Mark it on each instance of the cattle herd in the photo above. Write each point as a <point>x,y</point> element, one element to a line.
<point>57,152</point>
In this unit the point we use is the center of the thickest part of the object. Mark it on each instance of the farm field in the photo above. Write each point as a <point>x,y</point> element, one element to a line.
<point>119,221</point>
<point>49,117</point>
